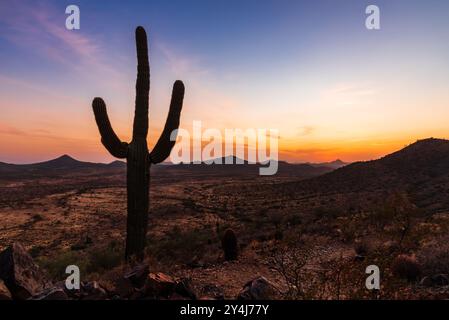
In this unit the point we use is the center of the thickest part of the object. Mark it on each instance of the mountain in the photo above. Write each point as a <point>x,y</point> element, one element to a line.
<point>231,165</point>
<point>62,164</point>
<point>421,170</point>
<point>68,165</point>
<point>336,164</point>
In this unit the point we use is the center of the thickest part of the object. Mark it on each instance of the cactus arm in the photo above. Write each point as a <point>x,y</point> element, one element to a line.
<point>164,145</point>
<point>140,127</point>
<point>108,137</point>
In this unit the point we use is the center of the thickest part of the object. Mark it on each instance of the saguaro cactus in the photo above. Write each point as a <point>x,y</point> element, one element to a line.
<point>136,152</point>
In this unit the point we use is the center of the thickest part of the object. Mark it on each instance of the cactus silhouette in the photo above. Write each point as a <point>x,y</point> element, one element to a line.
<point>229,245</point>
<point>136,152</point>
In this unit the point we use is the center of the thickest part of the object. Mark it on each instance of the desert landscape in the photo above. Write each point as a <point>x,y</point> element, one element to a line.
<point>310,231</point>
<point>336,113</point>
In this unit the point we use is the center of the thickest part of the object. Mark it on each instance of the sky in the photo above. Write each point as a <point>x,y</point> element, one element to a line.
<point>310,69</point>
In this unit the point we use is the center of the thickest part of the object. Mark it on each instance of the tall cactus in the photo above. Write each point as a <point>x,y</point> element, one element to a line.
<point>136,152</point>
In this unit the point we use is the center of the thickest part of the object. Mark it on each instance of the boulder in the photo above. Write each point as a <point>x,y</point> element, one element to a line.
<point>258,289</point>
<point>51,294</point>
<point>138,275</point>
<point>4,292</point>
<point>130,284</point>
<point>184,289</point>
<point>20,274</point>
<point>438,280</point>
<point>159,285</point>
<point>212,292</point>
<point>93,291</point>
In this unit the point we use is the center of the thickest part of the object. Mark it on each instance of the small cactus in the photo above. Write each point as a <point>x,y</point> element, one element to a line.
<point>229,245</point>
<point>136,153</point>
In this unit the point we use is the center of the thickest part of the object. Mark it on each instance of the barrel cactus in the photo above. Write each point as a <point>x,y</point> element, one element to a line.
<point>229,245</point>
<point>136,153</point>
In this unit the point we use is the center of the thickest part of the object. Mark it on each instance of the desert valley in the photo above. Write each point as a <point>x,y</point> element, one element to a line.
<point>310,230</point>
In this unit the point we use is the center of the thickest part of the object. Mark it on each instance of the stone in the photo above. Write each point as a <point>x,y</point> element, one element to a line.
<point>93,291</point>
<point>212,292</point>
<point>20,274</point>
<point>130,284</point>
<point>438,280</point>
<point>184,289</point>
<point>138,275</point>
<point>51,294</point>
<point>4,292</point>
<point>159,285</point>
<point>258,289</point>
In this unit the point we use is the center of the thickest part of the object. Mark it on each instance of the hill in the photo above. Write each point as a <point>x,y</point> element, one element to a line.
<point>61,165</point>
<point>420,170</point>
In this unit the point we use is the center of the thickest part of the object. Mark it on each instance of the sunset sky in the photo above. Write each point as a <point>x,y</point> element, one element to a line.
<point>308,68</point>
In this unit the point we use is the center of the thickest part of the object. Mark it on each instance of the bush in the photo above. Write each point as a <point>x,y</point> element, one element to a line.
<point>406,267</point>
<point>98,259</point>
<point>105,258</point>
<point>55,266</point>
<point>180,246</point>
<point>435,259</point>
<point>361,248</point>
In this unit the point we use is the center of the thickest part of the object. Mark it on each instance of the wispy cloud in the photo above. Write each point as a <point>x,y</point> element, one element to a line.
<point>41,29</point>
<point>347,94</point>
<point>305,130</point>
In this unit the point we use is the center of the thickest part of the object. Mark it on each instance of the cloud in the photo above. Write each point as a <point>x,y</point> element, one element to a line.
<point>347,94</point>
<point>305,130</point>
<point>181,64</point>
<point>352,89</point>
<point>40,28</point>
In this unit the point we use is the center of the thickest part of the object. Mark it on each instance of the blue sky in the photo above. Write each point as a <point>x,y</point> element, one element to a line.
<point>308,68</point>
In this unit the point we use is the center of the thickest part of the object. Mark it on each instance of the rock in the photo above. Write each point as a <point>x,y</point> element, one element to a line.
<point>93,291</point>
<point>138,275</point>
<point>4,292</point>
<point>20,274</point>
<point>159,285</point>
<point>438,280</point>
<point>258,289</point>
<point>359,258</point>
<point>124,288</point>
<point>212,292</point>
<point>184,289</point>
<point>177,296</point>
<point>130,284</point>
<point>51,294</point>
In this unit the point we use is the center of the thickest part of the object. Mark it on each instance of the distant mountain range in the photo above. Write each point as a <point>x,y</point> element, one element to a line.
<point>333,164</point>
<point>66,163</point>
<point>61,164</point>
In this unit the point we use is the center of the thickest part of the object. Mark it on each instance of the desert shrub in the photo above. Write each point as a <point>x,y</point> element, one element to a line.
<point>406,267</point>
<point>98,259</point>
<point>349,231</point>
<point>328,213</point>
<point>37,217</point>
<point>55,266</point>
<point>35,251</point>
<point>279,234</point>
<point>293,220</point>
<point>361,248</point>
<point>290,263</point>
<point>435,259</point>
<point>181,246</point>
<point>105,258</point>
